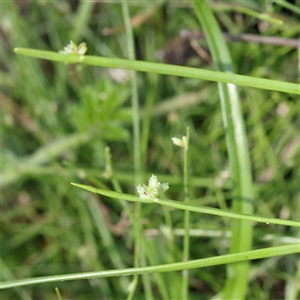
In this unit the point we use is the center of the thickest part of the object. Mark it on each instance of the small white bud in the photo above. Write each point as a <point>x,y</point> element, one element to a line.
<point>153,190</point>
<point>82,48</point>
<point>179,142</point>
<point>73,49</point>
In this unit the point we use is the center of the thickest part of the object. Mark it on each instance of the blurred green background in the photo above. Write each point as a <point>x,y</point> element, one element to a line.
<point>57,120</point>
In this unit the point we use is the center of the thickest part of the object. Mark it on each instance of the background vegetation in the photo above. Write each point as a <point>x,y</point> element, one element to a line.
<point>57,121</point>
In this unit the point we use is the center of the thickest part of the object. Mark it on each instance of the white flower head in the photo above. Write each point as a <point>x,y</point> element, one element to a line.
<point>153,190</point>
<point>180,142</point>
<point>82,48</point>
<point>73,48</point>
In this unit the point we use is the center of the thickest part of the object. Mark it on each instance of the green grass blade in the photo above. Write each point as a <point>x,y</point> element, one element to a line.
<point>245,10</point>
<point>80,20</point>
<point>192,264</point>
<point>186,241</point>
<point>184,206</point>
<point>165,69</point>
<point>237,147</point>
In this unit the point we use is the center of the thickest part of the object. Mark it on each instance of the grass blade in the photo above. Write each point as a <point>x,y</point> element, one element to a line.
<point>192,264</point>
<point>184,206</point>
<point>165,69</point>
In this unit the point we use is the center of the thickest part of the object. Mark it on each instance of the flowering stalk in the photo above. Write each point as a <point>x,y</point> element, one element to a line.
<point>184,143</point>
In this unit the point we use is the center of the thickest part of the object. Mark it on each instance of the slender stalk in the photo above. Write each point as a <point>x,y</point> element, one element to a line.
<point>189,207</point>
<point>134,97</point>
<point>192,264</point>
<point>165,69</point>
<point>237,7</point>
<point>136,144</point>
<point>58,294</point>
<point>81,19</point>
<point>186,241</point>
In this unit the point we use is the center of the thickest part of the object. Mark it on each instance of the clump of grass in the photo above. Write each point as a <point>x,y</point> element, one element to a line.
<point>59,119</point>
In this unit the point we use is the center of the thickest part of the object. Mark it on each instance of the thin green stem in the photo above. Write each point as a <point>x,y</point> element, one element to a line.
<point>192,264</point>
<point>136,143</point>
<point>134,94</point>
<point>165,69</point>
<point>236,7</point>
<point>81,19</point>
<point>289,6</point>
<point>58,294</point>
<point>183,206</point>
<point>186,241</point>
